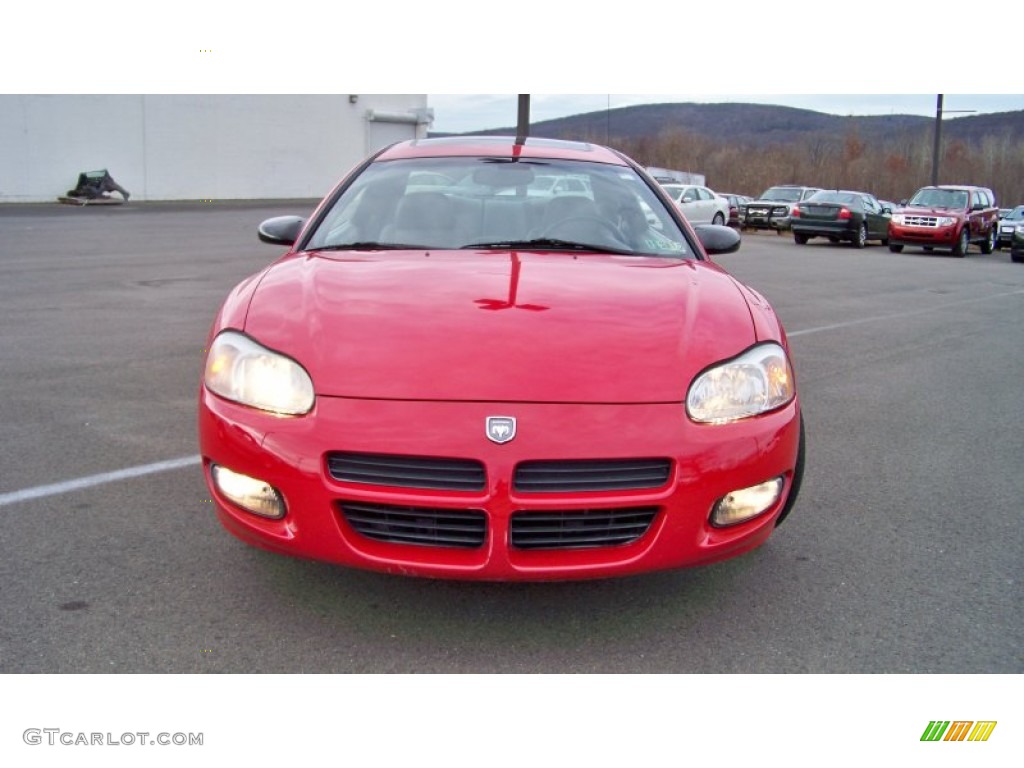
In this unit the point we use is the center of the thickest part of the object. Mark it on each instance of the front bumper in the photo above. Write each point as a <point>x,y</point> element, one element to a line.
<point>925,237</point>
<point>766,217</point>
<point>704,463</point>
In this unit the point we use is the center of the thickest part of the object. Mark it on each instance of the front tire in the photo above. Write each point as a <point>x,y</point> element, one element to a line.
<point>962,244</point>
<point>798,476</point>
<point>990,242</point>
<point>895,248</point>
<point>800,239</point>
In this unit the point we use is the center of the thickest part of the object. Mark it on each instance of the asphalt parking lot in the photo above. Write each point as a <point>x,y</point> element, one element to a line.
<point>903,554</point>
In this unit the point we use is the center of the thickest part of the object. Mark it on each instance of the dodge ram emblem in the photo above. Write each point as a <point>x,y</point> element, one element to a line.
<point>501,429</point>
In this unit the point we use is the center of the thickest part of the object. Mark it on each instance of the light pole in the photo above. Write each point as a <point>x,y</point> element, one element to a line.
<point>938,137</point>
<point>938,141</point>
<point>523,124</point>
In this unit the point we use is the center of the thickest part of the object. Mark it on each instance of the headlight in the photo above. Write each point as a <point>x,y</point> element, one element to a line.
<point>781,211</point>
<point>898,218</point>
<point>759,380</point>
<point>1019,229</point>
<point>239,369</point>
<point>946,221</point>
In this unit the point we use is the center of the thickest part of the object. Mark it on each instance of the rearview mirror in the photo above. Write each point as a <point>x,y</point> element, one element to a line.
<point>501,175</point>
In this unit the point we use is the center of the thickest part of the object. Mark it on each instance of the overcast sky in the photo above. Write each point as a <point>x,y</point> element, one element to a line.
<point>458,113</point>
<point>596,55</point>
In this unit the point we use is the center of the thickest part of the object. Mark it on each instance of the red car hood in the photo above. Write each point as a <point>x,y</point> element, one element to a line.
<point>928,210</point>
<point>486,326</point>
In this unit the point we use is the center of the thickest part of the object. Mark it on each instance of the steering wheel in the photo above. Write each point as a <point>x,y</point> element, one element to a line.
<point>606,228</point>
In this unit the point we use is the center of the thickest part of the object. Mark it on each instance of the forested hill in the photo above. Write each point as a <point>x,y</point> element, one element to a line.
<point>762,124</point>
<point>747,147</point>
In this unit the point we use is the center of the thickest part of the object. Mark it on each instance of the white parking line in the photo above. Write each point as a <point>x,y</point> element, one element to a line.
<point>877,318</point>
<point>67,486</point>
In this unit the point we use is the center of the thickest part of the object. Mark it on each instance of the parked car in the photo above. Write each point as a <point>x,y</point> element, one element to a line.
<point>840,215</point>
<point>947,217</point>
<point>1007,225</point>
<point>699,204</point>
<point>484,386</point>
<point>772,209</point>
<point>736,202</point>
<point>1017,243</point>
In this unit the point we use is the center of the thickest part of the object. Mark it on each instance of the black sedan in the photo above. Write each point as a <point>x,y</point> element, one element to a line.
<point>841,215</point>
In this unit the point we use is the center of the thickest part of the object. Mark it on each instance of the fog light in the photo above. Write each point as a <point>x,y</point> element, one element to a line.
<point>739,506</point>
<point>249,493</point>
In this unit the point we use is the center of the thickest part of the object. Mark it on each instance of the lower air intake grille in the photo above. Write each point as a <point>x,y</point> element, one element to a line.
<point>590,475</point>
<point>407,471</point>
<point>426,526</point>
<point>580,528</point>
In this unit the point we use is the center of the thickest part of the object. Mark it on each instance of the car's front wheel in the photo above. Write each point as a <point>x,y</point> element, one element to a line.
<point>895,248</point>
<point>798,476</point>
<point>990,242</point>
<point>800,239</point>
<point>962,244</point>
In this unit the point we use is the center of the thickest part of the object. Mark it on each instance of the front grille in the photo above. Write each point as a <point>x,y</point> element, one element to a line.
<point>757,211</point>
<point>425,526</point>
<point>590,475</point>
<point>407,471</point>
<point>579,529</point>
<point>921,221</point>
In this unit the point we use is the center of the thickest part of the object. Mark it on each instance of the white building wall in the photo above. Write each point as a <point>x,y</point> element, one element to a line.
<point>196,147</point>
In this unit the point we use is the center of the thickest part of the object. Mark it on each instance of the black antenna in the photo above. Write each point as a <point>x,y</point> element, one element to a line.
<point>523,126</point>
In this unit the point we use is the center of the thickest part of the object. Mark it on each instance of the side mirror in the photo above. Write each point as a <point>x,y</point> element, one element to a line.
<point>717,238</point>
<point>281,230</point>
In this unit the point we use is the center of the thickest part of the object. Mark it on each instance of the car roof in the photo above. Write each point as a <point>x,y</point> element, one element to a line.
<point>501,146</point>
<point>847,191</point>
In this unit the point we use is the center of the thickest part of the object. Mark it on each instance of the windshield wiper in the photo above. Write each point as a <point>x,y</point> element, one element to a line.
<point>370,245</point>
<point>550,243</point>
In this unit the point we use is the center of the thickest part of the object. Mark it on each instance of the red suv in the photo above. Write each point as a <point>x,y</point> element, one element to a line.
<point>948,217</point>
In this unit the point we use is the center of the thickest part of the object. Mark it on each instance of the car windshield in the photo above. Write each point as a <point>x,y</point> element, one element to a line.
<point>497,203</point>
<point>940,198</point>
<point>1017,214</point>
<point>783,194</point>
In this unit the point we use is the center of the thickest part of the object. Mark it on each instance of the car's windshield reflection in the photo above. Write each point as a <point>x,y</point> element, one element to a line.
<point>469,202</point>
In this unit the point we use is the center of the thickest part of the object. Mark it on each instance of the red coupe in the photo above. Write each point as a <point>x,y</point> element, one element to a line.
<point>451,375</point>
